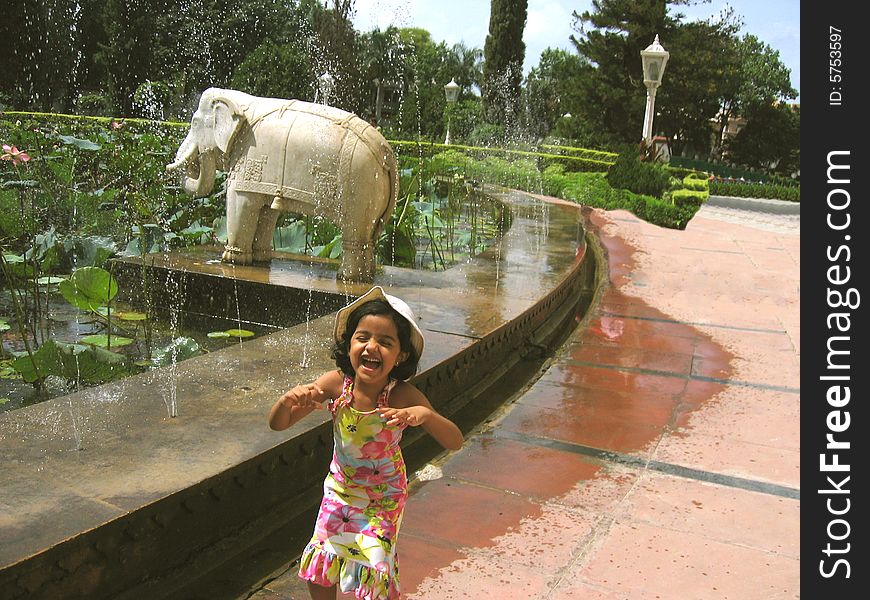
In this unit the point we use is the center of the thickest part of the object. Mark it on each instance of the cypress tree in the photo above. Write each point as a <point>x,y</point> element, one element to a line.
<point>504,52</point>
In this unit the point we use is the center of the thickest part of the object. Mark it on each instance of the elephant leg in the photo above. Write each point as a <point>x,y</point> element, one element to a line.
<point>357,259</point>
<point>243,214</point>
<point>262,249</point>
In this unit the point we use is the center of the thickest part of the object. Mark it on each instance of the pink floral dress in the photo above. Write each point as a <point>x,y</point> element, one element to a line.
<point>354,541</point>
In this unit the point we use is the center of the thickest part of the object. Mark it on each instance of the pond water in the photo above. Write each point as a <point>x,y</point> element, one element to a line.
<point>141,344</point>
<point>436,231</point>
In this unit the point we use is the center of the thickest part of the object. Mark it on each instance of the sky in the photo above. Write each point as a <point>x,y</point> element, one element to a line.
<point>775,22</point>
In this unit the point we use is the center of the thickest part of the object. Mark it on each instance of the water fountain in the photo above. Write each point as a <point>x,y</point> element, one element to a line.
<point>135,501</point>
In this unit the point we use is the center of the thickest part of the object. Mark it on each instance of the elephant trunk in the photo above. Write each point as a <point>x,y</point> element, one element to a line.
<point>185,153</point>
<point>199,168</point>
<point>199,176</point>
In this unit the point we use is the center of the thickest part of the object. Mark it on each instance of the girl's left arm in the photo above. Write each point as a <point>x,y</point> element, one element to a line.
<point>416,410</point>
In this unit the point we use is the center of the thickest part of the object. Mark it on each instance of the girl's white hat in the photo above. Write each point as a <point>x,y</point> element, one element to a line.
<point>398,304</point>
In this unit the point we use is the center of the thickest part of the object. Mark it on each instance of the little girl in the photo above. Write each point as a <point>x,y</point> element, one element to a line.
<point>377,347</point>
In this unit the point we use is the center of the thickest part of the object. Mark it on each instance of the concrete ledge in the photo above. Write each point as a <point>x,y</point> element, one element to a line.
<point>765,205</point>
<point>105,496</point>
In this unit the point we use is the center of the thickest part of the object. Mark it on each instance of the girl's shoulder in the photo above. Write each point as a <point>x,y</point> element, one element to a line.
<point>404,395</point>
<point>332,383</point>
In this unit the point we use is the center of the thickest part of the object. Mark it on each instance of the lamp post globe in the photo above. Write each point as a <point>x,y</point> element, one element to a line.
<point>654,59</point>
<point>451,94</point>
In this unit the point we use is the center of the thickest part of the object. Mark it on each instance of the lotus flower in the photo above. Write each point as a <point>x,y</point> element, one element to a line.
<point>14,154</point>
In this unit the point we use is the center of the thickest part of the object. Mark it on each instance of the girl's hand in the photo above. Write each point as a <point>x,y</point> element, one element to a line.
<point>412,416</point>
<point>304,396</point>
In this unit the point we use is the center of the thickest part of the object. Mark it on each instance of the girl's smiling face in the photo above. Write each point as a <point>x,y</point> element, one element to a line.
<point>375,348</point>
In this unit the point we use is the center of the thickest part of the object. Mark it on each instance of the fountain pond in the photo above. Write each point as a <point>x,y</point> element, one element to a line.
<point>177,315</point>
<point>123,501</point>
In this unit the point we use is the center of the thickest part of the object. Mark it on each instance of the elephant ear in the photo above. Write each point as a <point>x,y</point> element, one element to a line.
<point>227,122</point>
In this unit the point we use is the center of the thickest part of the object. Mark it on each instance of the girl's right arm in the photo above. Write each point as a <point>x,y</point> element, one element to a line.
<point>302,399</point>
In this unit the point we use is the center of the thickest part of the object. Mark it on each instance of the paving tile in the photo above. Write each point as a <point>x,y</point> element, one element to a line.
<point>747,460</point>
<point>573,589</point>
<point>643,561</point>
<point>580,402</point>
<point>638,333</point>
<point>534,472</point>
<point>679,363</point>
<point>464,579</point>
<point>735,516</point>
<point>745,414</point>
<point>484,515</point>
<point>421,558</point>
<point>604,494</point>
<point>622,380</point>
<point>605,432</point>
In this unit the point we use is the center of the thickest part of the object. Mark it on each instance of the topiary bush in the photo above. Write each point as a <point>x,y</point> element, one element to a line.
<point>645,178</point>
<point>686,197</point>
<point>692,182</point>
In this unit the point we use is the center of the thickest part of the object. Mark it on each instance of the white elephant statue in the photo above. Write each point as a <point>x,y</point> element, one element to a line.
<point>289,155</point>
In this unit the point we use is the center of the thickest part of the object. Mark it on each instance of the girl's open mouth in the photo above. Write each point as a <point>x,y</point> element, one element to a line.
<point>370,363</point>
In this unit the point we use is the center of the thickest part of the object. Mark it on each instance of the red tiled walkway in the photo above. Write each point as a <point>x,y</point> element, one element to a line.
<point>657,457</point>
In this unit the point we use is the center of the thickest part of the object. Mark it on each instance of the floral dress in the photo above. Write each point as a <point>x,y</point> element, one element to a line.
<point>363,499</point>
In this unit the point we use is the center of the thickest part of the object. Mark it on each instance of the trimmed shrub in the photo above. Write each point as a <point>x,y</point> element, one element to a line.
<point>629,173</point>
<point>744,189</point>
<point>692,183</point>
<point>684,197</point>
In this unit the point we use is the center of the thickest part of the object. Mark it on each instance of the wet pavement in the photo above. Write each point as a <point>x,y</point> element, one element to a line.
<point>658,454</point>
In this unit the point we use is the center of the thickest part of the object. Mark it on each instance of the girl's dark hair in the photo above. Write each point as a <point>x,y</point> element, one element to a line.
<point>341,350</point>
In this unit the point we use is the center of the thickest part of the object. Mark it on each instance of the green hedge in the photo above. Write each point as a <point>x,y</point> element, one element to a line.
<point>729,172</point>
<point>646,178</point>
<point>686,197</point>
<point>579,152</point>
<point>592,161</point>
<point>587,188</point>
<point>691,182</point>
<point>743,189</point>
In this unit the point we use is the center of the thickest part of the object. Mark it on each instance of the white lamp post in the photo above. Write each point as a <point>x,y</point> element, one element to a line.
<point>451,92</point>
<point>326,83</point>
<point>654,59</point>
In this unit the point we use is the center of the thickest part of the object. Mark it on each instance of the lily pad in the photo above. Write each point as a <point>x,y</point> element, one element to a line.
<point>240,333</point>
<point>89,288</point>
<point>50,280</point>
<point>4,325</point>
<point>81,144</point>
<point>130,315</point>
<point>218,334</point>
<point>104,341</point>
<point>179,349</point>
<point>70,361</point>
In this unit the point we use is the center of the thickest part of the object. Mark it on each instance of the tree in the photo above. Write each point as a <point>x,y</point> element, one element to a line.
<point>423,102</point>
<point>701,72</point>
<point>131,34</point>
<point>610,39</point>
<point>761,80</point>
<point>770,140</point>
<point>551,92</point>
<point>466,65</point>
<point>202,47</point>
<point>504,53</point>
<point>50,58</point>
<point>276,71</point>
